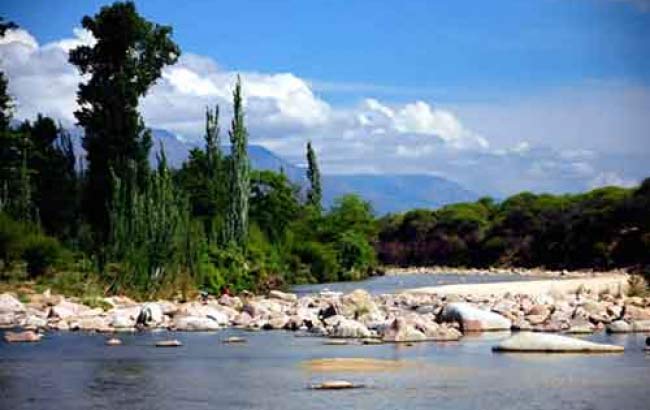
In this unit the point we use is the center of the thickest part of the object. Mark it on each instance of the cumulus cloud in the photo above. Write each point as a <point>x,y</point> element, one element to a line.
<point>283,111</point>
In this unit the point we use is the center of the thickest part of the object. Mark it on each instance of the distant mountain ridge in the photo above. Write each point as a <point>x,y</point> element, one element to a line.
<point>388,193</point>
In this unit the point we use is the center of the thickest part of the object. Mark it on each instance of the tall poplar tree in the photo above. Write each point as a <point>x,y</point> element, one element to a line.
<point>239,176</point>
<point>314,194</point>
<point>125,61</point>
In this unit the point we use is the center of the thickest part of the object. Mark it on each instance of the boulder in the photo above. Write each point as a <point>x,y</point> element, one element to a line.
<point>66,309</point>
<point>34,321</point>
<point>7,320</point>
<point>169,343</point>
<point>357,303</point>
<point>195,323</point>
<point>581,326</point>
<point>473,319</point>
<point>197,309</point>
<point>287,297</point>
<point>401,331</point>
<point>20,337</point>
<point>636,313</point>
<point>9,304</point>
<point>123,318</point>
<point>277,322</point>
<point>151,315</point>
<point>619,326</point>
<point>527,342</point>
<point>230,301</point>
<point>349,328</point>
<point>113,342</point>
<point>641,326</point>
<point>89,323</point>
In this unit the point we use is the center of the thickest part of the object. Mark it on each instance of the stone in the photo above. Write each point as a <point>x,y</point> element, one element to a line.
<point>347,328</point>
<point>336,342</point>
<point>22,337</point>
<point>536,319</point>
<point>243,319</point>
<point>277,322</point>
<point>230,301</point>
<point>615,311</point>
<point>581,327</point>
<point>197,309</point>
<point>527,342</point>
<point>34,322</point>
<point>9,304</point>
<point>66,309</point>
<point>641,326</point>
<point>123,318</point>
<point>335,385</point>
<point>234,339</point>
<point>636,313</point>
<point>619,326</point>
<point>113,342</point>
<point>442,333</point>
<point>169,343</point>
<point>400,331</point>
<point>473,319</point>
<point>357,303</point>
<point>371,341</point>
<point>89,323</point>
<point>151,315</point>
<point>195,323</point>
<point>7,320</point>
<point>287,297</point>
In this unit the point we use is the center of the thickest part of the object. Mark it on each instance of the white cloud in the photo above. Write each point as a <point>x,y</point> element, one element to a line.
<point>373,136</point>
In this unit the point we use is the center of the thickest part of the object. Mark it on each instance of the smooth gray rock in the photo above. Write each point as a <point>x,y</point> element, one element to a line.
<point>527,342</point>
<point>473,319</point>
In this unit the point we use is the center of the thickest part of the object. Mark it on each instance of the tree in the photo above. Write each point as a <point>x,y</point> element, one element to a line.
<point>314,194</point>
<point>123,64</point>
<point>53,177</point>
<point>239,178</point>
<point>202,178</point>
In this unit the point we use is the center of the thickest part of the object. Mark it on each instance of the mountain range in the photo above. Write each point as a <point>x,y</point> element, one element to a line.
<point>388,193</point>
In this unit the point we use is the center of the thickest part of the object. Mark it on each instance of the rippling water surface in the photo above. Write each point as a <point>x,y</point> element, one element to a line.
<point>77,371</point>
<point>396,283</point>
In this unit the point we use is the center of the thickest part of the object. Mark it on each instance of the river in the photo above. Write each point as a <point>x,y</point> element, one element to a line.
<point>77,371</point>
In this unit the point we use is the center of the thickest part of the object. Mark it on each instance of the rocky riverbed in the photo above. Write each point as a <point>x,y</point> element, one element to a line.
<point>405,317</point>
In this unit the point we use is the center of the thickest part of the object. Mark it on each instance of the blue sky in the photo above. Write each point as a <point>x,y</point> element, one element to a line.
<point>449,49</point>
<point>443,84</point>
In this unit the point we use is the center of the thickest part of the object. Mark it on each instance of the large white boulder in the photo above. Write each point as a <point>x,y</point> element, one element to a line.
<point>195,323</point>
<point>349,328</point>
<point>549,343</point>
<point>287,297</point>
<point>9,304</point>
<point>473,319</point>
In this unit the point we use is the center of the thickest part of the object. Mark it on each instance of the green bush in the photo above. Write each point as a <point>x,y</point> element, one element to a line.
<point>41,253</point>
<point>321,260</point>
<point>355,255</point>
<point>12,240</point>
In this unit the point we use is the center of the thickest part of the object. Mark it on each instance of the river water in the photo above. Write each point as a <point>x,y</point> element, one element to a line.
<point>396,283</point>
<point>67,371</point>
<point>77,371</point>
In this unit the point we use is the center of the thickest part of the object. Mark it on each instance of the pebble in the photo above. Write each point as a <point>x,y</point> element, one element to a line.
<point>113,342</point>
<point>169,343</point>
<point>335,385</point>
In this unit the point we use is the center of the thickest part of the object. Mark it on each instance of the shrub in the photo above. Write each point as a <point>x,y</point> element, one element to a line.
<point>637,285</point>
<point>41,253</point>
<point>320,258</point>
<point>12,240</point>
<point>355,255</point>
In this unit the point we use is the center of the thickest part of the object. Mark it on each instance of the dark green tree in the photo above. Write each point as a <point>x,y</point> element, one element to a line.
<point>53,176</point>
<point>239,177</point>
<point>315,193</point>
<point>125,62</point>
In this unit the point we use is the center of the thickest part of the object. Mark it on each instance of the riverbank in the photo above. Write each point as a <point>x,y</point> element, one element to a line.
<point>441,313</point>
<point>526,272</point>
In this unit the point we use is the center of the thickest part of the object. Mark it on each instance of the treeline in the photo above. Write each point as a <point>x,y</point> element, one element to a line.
<point>214,224</point>
<point>604,228</point>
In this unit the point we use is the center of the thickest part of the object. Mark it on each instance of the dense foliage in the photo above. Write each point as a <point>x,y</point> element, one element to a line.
<point>603,228</point>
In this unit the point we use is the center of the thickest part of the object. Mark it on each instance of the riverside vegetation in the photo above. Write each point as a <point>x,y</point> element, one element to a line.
<point>109,223</point>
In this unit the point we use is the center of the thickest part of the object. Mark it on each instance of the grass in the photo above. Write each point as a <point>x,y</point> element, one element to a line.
<point>637,286</point>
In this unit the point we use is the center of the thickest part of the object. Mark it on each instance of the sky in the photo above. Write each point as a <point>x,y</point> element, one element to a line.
<point>501,96</point>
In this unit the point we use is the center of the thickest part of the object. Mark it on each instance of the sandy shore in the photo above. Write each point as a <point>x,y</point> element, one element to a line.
<point>614,283</point>
<point>536,272</point>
